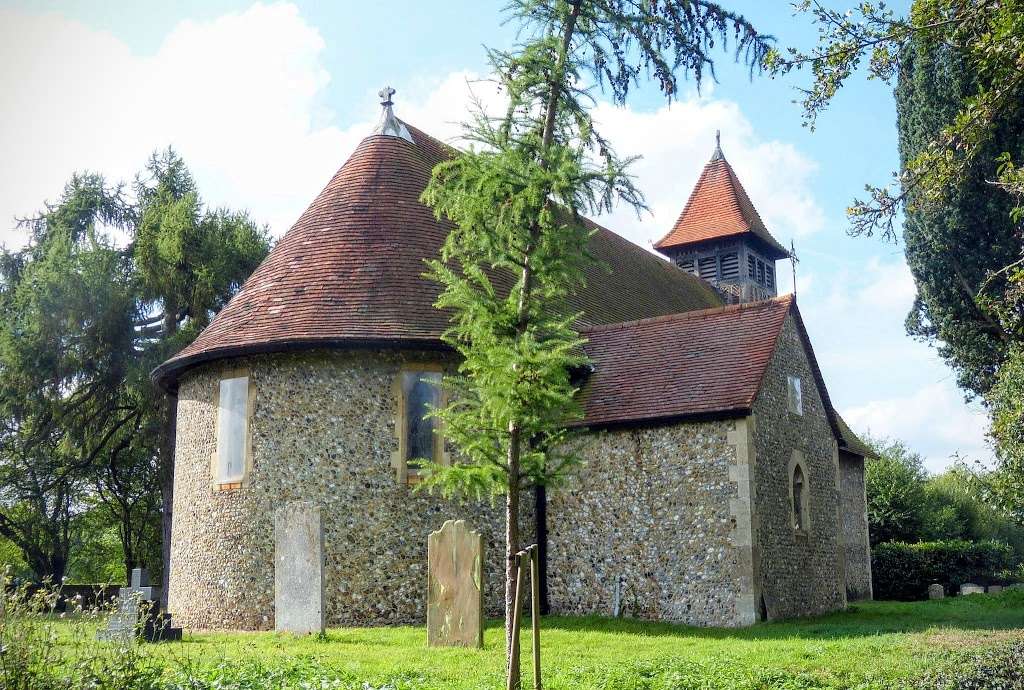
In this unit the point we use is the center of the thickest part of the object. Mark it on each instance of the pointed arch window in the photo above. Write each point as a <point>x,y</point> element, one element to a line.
<point>799,494</point>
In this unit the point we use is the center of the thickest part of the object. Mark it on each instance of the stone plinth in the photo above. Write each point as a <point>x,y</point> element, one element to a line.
<point>298,568</point>
<point>455,602</point>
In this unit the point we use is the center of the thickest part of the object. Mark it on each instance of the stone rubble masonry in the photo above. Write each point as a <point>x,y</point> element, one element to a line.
<point>801,571</point>
<point>693,519</point>
<point>323,428</point>
<point>655,507</point>
<point>854,509</point>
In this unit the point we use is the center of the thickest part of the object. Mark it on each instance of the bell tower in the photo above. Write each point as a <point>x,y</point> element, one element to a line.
<point>720,237</point>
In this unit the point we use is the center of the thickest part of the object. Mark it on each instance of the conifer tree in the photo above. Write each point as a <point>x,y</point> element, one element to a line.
<point>516,199</point>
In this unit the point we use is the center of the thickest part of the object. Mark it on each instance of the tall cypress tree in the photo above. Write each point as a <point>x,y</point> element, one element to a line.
<point>952,247</point>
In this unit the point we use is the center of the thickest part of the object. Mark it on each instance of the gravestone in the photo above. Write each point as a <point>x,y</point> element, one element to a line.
<point>298,568</point>
<point>995,589</point>
<point>455,600</point>
<point>971,588</point>
<point>936,591</point>
<point>138,614</point>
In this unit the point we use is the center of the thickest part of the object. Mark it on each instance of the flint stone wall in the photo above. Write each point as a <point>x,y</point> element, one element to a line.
<point>323,430</point>
<point>650,505</point>
<point>800,573</point>
<point>854,512</point>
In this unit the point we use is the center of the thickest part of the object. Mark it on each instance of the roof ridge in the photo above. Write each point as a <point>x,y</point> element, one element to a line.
<point>787,300</point>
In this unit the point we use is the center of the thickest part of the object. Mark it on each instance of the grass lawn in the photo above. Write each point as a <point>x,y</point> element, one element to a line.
<point>872,645</point>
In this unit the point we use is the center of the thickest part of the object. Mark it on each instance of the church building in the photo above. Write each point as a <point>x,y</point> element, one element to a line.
<point>719,485</point>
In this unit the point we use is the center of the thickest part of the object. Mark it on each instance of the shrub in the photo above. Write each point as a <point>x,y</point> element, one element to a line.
<point>998,668</point>
<point>904,571</point>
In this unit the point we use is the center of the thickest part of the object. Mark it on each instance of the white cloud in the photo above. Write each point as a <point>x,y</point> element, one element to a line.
<point>239,97</point>
<point>934,419</point>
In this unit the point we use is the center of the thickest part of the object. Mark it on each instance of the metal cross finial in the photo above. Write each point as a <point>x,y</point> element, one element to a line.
<point>793,261</point>
<point>717,155</point>
<point>386,93</point>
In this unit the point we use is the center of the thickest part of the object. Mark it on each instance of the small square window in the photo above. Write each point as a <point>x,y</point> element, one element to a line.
<point>795,395</point>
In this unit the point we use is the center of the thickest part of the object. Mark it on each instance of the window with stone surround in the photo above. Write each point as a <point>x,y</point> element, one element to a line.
<point>799,493</point>
<point>419,388</point>
<point>794,395</point>
<point>234,405</point>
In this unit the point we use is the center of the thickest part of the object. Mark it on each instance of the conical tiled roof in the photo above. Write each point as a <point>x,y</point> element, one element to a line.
<point>718,208</point>
<point>349,273</point>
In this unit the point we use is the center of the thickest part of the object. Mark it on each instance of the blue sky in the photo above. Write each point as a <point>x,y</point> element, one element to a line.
<point>266,100</point>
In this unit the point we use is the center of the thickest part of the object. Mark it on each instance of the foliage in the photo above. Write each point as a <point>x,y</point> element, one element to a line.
<point>894,484</point>
<point>960,65</point>
<point>954,247</point>
<point>39,652</point>
<point>105,289</point>
<point>903,571</point>
<point>989,36</point>
<point>905,503</point>
<point>519,243</point>
<point>1007,400</point>
<point>999,668</point>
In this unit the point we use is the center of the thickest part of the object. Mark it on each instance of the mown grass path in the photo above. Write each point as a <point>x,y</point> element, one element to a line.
<point>874,644</point>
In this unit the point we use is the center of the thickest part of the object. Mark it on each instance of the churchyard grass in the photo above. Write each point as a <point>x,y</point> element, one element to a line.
<point>873,645</point>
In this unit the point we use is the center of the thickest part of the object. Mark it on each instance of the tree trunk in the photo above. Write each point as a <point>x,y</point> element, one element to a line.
<point>511,549</point>
<point>167,492</point>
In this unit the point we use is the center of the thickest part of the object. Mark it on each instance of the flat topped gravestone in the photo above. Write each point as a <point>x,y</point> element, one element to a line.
<point>298,568</point>
<point>995,589</point>
<point>936,591</point>
<point>455,599</point>
<point>971,588</point>
<point>138,614</point>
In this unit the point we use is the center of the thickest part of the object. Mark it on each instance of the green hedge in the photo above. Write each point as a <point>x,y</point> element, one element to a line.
<point>904,571</point>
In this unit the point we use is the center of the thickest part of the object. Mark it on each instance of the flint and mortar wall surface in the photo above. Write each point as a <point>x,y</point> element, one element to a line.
<point>323,430</point>
<point>800,574</point>
<point>654,506</point>
<point>853,507</point>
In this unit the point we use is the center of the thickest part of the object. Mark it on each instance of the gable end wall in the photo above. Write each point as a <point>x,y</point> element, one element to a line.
<point>800,574</point>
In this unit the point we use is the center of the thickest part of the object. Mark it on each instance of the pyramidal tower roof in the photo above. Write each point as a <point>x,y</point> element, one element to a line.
<point>349,273</point>
<point>719,208</point>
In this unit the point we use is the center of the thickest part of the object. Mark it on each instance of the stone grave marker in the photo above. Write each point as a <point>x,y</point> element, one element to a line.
<point>995,589</point>
<point>936,591</point>
<point>138,614</point>
<point>455,599</point>
<point>971,588</point>
<point>298,568</point>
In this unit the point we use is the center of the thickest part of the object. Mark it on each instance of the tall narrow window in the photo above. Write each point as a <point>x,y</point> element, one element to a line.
<point>795,395</point>
<point>769,275</point>
<point>751,267</point>
<point>232,429</point>
<point>799,499</point>
<point>421,392</point>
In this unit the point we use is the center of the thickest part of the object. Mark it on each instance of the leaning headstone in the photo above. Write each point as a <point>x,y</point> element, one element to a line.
<point>455,600</point>
<point>995,589</point>
<point>298,568</point>
<point>137,614</point>
<point>971,588</point>
<point>936,591</point>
